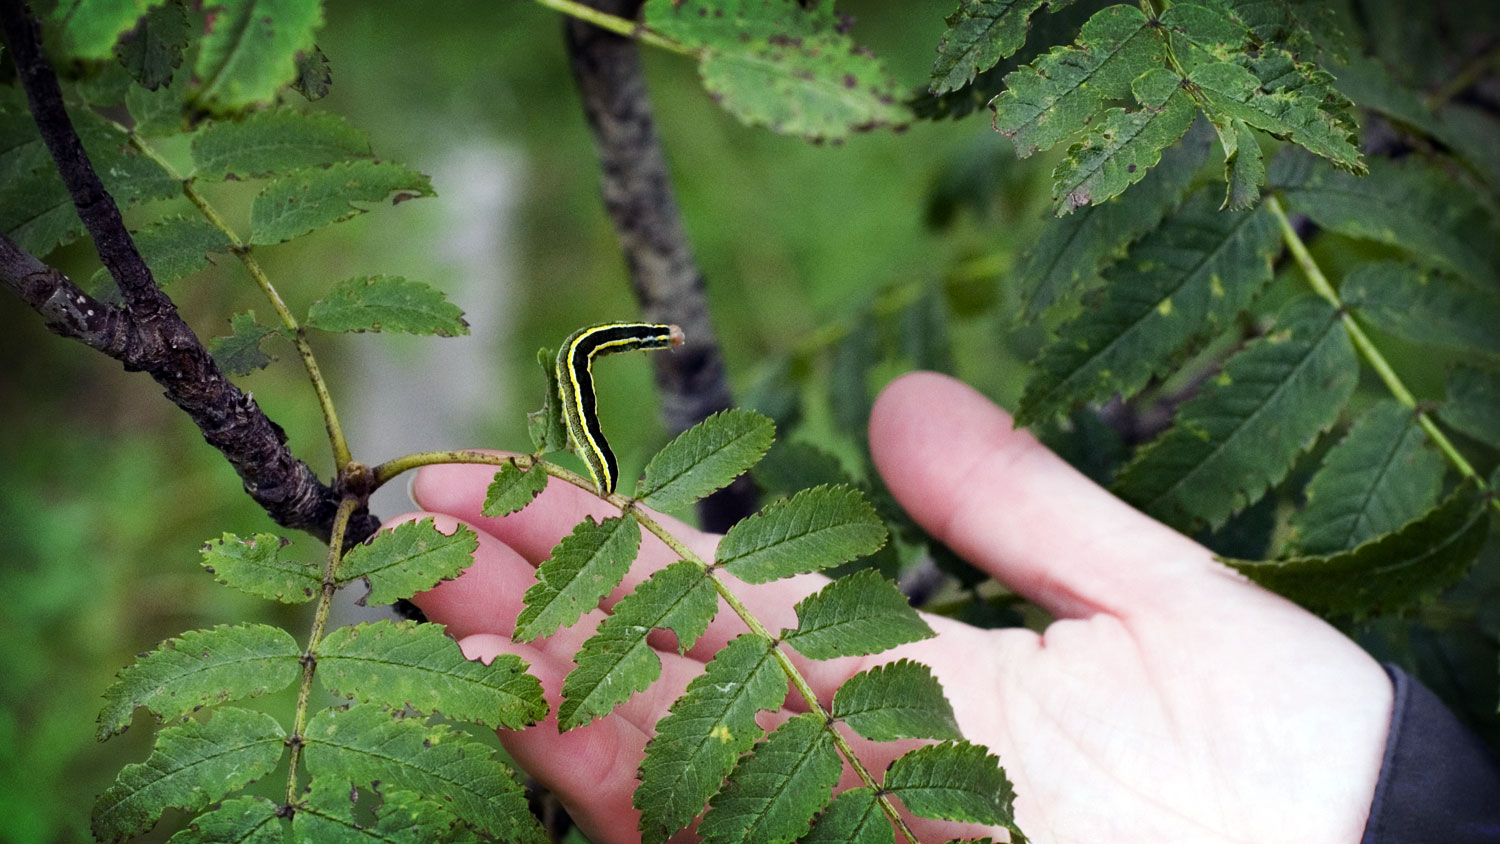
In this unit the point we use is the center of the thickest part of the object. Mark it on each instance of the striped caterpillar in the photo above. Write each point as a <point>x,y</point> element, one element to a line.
<point>575,385</point>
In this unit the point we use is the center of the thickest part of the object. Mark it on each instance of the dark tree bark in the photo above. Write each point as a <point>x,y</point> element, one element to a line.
<point>638,197</point>
<point>147,334</point>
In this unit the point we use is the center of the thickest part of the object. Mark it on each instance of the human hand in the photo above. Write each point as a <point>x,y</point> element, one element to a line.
<point>1171,701</point>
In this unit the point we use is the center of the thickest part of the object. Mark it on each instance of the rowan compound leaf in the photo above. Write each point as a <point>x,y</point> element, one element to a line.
<point>88,29</point>
<point>546,428</point>
<point>617,661</point>
<point>1431,308</point>
<point>1392,573</point>
<point>250,50</point>
<point>706,457</point>
<point>583,568</point>
<point>275,142</point>
<point>784,65</point>
<point>697,743</point>
<point>814,529</point>
<point>1125,145</point>
<point>368,747</point>
<point>404,664</point>
<point>1177,285</point>
<point>862,613</point>
<point>1070,252</point>
<point>193,764</point>
<point>174,248</point>
<point>1056,96</point>
<point>1242,433</point>
<point>242,820</point>
<point>953,781</point>
<point>1383,474</point>
<point>152,51</point>
<point>402,562</point>
<point>314,76</point>
<point>512,489</point>
<point>1233,90</point>
<point>773,795</point>
<point>854,817</point>
<point>1409,205</point>
<point>898,700</point>
<point>980,34</point>
<point>255,566</point>
<point>387,303</point>
<point>1473,404</point>
<point>240,353</point>
<point>308,200</point>
<point>201,668</point>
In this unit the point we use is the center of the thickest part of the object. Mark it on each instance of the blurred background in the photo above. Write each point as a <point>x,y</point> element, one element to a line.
<point>107,491</point>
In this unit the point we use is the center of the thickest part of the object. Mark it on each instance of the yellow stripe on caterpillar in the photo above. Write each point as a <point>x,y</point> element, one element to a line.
<point>575,384</point>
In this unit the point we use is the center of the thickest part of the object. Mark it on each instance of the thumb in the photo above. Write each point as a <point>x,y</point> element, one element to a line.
<point>999,498</point>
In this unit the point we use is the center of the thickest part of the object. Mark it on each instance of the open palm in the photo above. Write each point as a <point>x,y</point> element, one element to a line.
<point>1170,702</point>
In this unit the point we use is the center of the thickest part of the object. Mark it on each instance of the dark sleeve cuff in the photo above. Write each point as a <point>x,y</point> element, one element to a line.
<point>1439,782</point>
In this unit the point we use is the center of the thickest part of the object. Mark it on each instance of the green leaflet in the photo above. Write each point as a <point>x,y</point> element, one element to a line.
<point>250,50</point>
<point>159,112</point>
<point>954,781</point>
<point>814,529</point>
<point>396,665</point>
<point>546,428</point>
<point>387,303</point>
<point>1195,272</point>
<point>151,51</point>
<point>314,77</point>
<point>255,566</point>
<point>1125,145</point>
<point>862,613</point>
<point>240,352</point>
<point>88,29</point>
<point>775,63</point>
<point>174,248</point>
<point>1430,308</point>
<point>1070,252</point>
<point>582,569</point>
<point>1244,167</point>
<point>1211,30</point>
<point>1233,90</point>
<point>706,457</point>
<point>1394,572</point>
<point>1379,477</point>
<point>1409,205</point>
<point>697,743</point>
<point>1057,95</point>
<point>773,795</point>
<point>243,820</point>
<point>1473,404</point>
<point>854,817</point>
<point>275,142</point>
<point>402,562</point>
<point>365,746</point>
<point>192,765</point>
<point>617,661</point>
<point>201,668</point>
<point>326,816</point>
<point>512,489</point>
<point>35,208</point>
<point>307,200</point>
<point>1241,434</point>
<point>980,34</point>
<point>898,700</point>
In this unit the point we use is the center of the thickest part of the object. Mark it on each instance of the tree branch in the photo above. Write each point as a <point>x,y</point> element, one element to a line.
<point>147,335</point>
<point>638,198</point>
